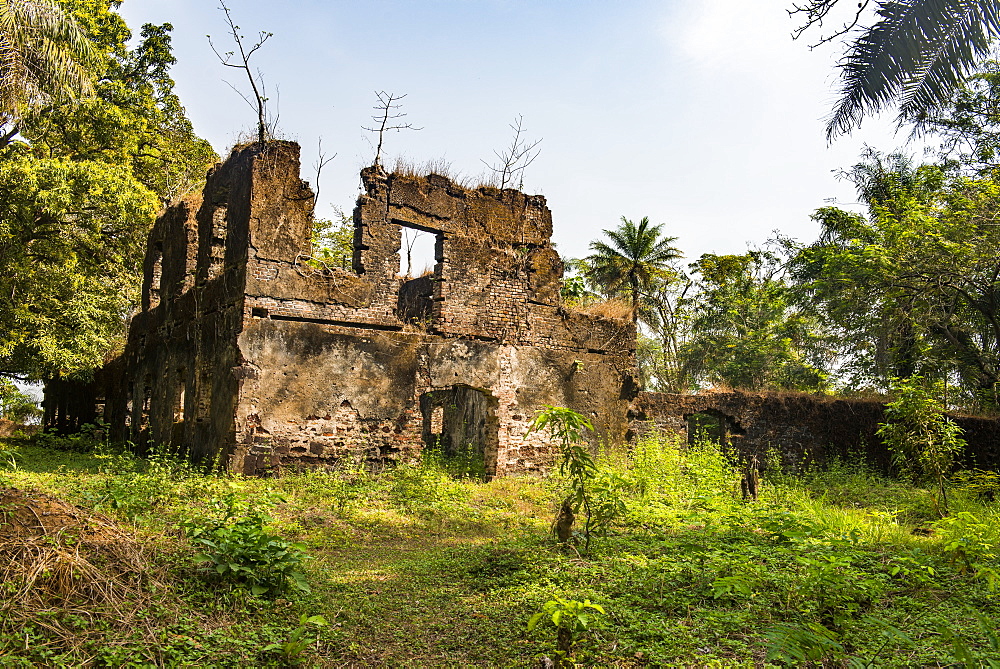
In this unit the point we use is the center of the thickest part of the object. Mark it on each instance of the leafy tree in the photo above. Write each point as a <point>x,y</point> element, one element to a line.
<point>746,332</point>
<point>44,54</point>
<point>666,312</point>
<point>924,442</point>
<point>632,260</point>
<point>134,119</point>
<point>15,405</point>
<point>70,234</point>
<point>916,53</point>
<point>969,126</point>
<point>78,192</point>
<point>333,241</point>
<point>915,287</point>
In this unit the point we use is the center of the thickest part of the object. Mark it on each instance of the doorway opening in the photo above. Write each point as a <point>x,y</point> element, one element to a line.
<point>460,423</point>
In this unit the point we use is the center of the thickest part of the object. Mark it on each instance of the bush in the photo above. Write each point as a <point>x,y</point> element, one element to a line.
<point>924,442</point>
<point>234,540</point>
<point>15,405</point>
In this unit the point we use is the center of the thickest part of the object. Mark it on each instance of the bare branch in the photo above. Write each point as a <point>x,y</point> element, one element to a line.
<point>243,63</point>
<point>816,12</point>
<point>515,158</point>
<point>321,162</point>
<point>387,113</point>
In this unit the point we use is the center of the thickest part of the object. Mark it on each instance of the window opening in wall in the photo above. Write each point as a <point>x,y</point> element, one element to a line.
<point>707,426</point>
<point>417,251</point>
<point>217,250</point>
<point>147,400</point>
<point>179,402</point>
<point>420,254</point>
<point>177,430</point>
<point>140,422</point>
<point>154,284</point>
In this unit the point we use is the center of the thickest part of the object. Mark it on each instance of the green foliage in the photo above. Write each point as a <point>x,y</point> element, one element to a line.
<point>133,487</point>
<point>45,56</point>
<point>914,55</point>
<point>71,230</point>
<point>90,437</point>
<point>924,442</point>
<point>825,567</point>
<point>15,405</point>
<point>973,656</point>
<point>632,260</point>
<point>973,546</point>
<point>79,190</point>
<point>333,242</point>
<point>425,487</point>
<point>234,540</point>
<point>299,639</point>
<point>596,495</point>
<point>134,120</point>
<point>571,619</point>
<point>910,290</point>
<point>798,644</point>
<point>981,484</point>
<point>747,332</point>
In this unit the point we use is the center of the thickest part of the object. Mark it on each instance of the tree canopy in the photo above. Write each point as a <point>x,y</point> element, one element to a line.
<point>632,260</point>
<point>44,54</point>
<point>80,186</point>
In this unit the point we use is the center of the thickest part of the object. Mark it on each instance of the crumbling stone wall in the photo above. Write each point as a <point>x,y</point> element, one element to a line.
<point>245,352</point>
<point>803,428</point>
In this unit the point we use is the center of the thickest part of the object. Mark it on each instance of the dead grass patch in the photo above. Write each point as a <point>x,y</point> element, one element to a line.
<point>613,308</point>
<point>67,569</point>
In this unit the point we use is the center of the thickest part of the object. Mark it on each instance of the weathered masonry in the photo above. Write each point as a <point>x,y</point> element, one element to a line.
<point>245,352</point>
<point>802,429</point>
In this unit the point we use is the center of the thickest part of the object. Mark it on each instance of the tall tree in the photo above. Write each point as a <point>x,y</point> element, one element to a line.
<point>746,332</point>
<point>915,287</point>
<point>79,189</point>
<point>914,55</point>
<point>667,311</point>
<point>631,261</point>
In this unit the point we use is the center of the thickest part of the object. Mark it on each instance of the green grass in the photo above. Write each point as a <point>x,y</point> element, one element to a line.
<point>414,567</point>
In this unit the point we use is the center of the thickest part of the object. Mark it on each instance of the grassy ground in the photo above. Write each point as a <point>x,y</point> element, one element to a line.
<point>417,567</point>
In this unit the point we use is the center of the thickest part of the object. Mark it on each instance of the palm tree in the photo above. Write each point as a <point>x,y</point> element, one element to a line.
<point>630,264</point>
<point>916,54</point>
<point>43,54</point>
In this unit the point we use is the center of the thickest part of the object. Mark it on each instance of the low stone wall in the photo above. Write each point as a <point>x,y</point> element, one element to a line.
<point>803,428</point>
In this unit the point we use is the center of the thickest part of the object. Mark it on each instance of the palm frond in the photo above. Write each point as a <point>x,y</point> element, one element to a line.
<point>947,66</point>
<point>917,46</point>
<point>43,53</point>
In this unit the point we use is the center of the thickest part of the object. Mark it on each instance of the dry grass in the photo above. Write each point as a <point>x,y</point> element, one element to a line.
<point>66,569</point>
<point>613,308</point>
<point>405,167</point>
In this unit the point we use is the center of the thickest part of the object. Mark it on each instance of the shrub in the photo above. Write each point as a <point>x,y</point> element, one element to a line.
<point>235,543</point>
<point>924,442</point>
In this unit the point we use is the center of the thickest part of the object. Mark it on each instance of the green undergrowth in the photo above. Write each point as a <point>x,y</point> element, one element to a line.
<point>415,566</point>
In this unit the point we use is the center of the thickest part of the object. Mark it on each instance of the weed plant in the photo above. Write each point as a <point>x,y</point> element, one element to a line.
<point>420,565</point>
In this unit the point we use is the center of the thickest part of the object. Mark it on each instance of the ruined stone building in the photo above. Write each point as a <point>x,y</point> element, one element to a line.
<point>245,352</point>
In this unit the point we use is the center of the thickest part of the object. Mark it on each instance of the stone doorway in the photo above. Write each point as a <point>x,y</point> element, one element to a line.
<point>461,421</point>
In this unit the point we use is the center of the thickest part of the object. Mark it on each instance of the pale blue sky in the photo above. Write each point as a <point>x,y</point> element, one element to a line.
<point>703,115</point>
